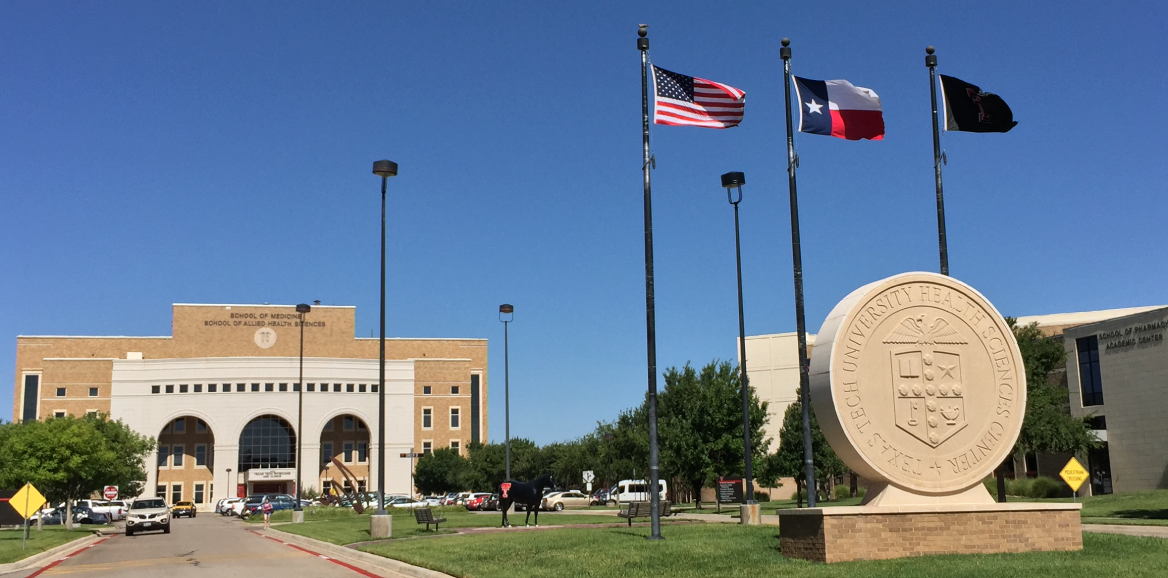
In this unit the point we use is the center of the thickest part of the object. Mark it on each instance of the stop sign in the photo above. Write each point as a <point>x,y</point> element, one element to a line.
<point>110,492</point>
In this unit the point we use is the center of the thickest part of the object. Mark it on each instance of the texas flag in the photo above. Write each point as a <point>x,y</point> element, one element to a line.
<point>837,108</point>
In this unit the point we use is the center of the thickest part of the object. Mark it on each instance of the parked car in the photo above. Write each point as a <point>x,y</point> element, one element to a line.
<point>560,500</point>
<point>225,507</point>
<point>406,502</point>
<point>474,502</point>
<point>448,499</point>
<point>460,499</point>
<point>238,507</point>
<point>599,497</point>
<point>183,509</point>
<point>491,503</point>
<point>432,501</point>
<point>634,491</point>
<point>279,502</point>
<point>111,511</point>
<point>148,514</point>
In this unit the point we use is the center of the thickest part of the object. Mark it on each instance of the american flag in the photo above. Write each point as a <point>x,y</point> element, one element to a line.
<point>687,101</point>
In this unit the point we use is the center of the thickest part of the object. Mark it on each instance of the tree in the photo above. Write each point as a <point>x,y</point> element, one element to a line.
<point>789,459</point>
<point>1048,426</point>
<point>440,472</point>
<point>700,424</point>
<point>67,458</point>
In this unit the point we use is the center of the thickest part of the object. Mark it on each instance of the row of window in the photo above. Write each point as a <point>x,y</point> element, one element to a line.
<point>241,387</point>
<point>355,452</point>
<point>63,413</point>
<point>428,418</point>
<point>173,457</point>
<point>179,426</point>
<point>428,446</point>
<point>429,390</point>
<point>61,392</point>
<point>176,492</point>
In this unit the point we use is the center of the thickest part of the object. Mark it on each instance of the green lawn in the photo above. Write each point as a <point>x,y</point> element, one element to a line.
<point>702,550</point>
<point>1147,508</point>
<point>342,526</point>
<point>768,508</point>
<point>50,537</point>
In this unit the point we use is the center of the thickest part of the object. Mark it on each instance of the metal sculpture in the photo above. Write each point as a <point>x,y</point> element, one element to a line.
<point>527,493</point>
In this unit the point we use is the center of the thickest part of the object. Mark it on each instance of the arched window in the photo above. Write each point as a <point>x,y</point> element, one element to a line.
<point>267,442</point>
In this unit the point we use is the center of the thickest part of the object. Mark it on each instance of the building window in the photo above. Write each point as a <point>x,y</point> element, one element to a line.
<point>240,387</point>
<point>200,426</point>
<point>156,389</point>
<point>312,387</point>
<point>349,425</point>
<point>454,418</point>
<point>93,392</point>
<point>427,448</point>
<point>362,452</point>
<point>426,390</point>
<point>267,442</point>
<point>283,387</point>
<point>180,425</point>
<point>269,387</point>
<point>182,388</point>
<point>348,388</point>
<point>201,455</point>
<point>361,425</point>
<point>59,413</point>
<point>211,388</point>
<point>373,388</point>
<point>32,395</point>
<point>325,486</point>
<point>361,486</point>
<point>427,418</point>
<point>336,388</point>
<point>169,389</point>
<point>198,388</point>
<point>160,491</point>
<point>1090,380</point>
<point>295,387</point>
<point>456,445</point>
<point>198,493</point>
<point>163,456</point>
<point>361,388</point>
<point>255,387</point>
<point>475,409</point>
<point>326,453</point>
<point>177,456</point>
<point>328,425</point>
<point>175,493</point>
<point>60,392</point>
<point>91,412</point>
<point>348,452</point>
<point>454,390</point>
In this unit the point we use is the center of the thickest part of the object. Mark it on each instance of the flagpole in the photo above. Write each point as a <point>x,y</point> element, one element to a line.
<point>931,62</point>
<point>797,264</point>
<point>650,312</point>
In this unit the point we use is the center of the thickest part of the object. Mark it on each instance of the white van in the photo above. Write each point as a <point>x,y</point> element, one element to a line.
<point>634,491</point>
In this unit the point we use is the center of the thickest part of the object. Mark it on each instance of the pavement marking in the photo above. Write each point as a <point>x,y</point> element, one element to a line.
<point>360,571</point>
<point>148,562</point>
<point>59,560</point>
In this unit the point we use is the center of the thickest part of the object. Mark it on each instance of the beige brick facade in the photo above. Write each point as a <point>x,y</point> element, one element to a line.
<point>73,375</point>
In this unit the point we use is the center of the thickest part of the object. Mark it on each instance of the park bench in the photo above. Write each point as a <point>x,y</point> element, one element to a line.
<point>643,510</point>
<point>425,516</point>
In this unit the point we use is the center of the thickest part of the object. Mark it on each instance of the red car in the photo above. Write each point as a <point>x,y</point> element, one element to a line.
<point>477,501</point>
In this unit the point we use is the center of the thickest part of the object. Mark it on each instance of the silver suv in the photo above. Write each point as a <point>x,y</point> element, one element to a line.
<point>148,514</point>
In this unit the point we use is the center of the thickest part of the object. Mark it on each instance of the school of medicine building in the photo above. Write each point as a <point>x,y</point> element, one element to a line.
<point>221,396</point>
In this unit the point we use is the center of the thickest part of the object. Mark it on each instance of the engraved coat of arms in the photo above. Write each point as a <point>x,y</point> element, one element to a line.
<point>929,400</point>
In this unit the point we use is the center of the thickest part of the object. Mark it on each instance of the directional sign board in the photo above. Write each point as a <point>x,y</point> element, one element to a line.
<point>27,501</point>
<point>110,492</point>
<point>411,455</point>
<point>1074,474</point>
<point>588,476</point>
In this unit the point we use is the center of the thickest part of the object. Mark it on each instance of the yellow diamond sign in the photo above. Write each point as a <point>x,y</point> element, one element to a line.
<point>27,501</point>
<point>1074,474</point>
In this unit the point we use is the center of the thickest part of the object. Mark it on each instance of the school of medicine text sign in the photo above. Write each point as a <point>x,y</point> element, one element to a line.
<point>918,383</point>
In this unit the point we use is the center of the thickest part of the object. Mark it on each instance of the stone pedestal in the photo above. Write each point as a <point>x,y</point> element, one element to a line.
<point>380,526</point>
<point>882,532</point>
<point>297,516</point>
<point>750,514</point>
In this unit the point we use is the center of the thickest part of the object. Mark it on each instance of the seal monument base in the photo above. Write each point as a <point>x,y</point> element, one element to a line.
<point>919,387</point>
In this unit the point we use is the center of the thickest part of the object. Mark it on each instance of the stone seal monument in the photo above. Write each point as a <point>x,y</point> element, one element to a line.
<point>918,385</point>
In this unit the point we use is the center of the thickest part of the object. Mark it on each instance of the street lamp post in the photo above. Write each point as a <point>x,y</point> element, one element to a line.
<point>232,487</point>
<point>379,523</point>
<point>507,315</point>
<point>298,517</point>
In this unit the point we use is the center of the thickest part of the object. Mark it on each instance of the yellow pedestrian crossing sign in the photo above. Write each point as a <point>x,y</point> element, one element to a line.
<point>1074,474</point>
<point>27,501</point>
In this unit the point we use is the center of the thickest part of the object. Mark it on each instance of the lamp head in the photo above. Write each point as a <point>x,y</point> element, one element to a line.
<point>732,180</point>
<point>303,308</point>
<point>506,308</point>
<point>385,169</point>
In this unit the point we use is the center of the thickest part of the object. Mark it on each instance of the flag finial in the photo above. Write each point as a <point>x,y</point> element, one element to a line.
<point>786,42</point>
<point>930,50</point>
<point>785,51</point>
<point>643,31</point>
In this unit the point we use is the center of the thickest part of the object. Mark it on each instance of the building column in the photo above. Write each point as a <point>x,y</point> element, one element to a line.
<point>310,465</point>
<point>151,475</point>
<point>226,456</point>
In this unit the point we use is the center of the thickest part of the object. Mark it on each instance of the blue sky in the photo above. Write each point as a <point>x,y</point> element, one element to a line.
<point>158,152</point>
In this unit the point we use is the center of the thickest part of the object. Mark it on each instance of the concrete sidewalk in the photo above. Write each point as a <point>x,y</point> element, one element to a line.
<point>1151,531</point>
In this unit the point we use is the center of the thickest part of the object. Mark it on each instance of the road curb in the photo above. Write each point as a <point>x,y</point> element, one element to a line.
<point>392,568</point>
<point>61,551</point>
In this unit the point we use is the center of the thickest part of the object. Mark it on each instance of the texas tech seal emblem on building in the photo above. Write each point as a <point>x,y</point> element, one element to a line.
<point>918,385</point>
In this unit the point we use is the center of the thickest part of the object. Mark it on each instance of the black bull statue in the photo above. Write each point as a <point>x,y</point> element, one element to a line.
<point>527,493</point>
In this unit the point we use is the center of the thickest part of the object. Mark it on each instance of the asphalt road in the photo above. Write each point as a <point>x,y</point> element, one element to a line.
<point>204,546</point>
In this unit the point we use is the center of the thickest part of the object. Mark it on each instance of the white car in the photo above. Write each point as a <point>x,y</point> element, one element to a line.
<point>559,500</point>
<point>148,514</point>
<point>406,502</point>
<point>111,511</point>
<point>227,507</point>
<point>237,508</point>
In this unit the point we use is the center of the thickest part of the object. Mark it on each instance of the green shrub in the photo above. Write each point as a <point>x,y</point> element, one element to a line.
<point>991,485</point>
<point>1045,488</point>
<point>843,492</point>
<point>861,492</point>
<point>762,496</point>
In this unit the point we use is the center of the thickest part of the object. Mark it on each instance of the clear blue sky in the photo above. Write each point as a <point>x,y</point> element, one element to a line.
<point>162,152</point>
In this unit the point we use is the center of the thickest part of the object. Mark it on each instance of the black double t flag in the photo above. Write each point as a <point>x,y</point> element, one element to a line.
<point>968,108</point>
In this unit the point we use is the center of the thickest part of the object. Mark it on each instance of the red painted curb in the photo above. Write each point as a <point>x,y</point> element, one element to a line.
<point>59,560</point>
<point>360,571</point>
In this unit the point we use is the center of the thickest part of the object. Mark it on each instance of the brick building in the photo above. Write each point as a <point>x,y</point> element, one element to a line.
<point>221,396</point>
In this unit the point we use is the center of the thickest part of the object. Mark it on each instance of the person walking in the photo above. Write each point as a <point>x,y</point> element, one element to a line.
<point>267,508</point>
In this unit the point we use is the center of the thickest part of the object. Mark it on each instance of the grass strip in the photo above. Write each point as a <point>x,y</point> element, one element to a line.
<point>38,541</point>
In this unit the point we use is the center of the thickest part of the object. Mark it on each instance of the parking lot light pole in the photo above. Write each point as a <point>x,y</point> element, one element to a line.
<point>298,518</point>
<point>379,523</point>
<point>735,181</point>
<point>507,315</point>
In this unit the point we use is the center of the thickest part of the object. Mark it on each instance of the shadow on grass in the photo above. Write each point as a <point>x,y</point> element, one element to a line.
<point>1141,514</point>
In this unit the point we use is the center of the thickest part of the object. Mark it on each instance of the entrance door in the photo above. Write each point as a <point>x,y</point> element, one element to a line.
<point>269,488</point>
<point>1099,463</point>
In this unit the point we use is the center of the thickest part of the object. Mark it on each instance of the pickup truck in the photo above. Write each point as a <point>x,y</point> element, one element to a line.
<point>113,512</point>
